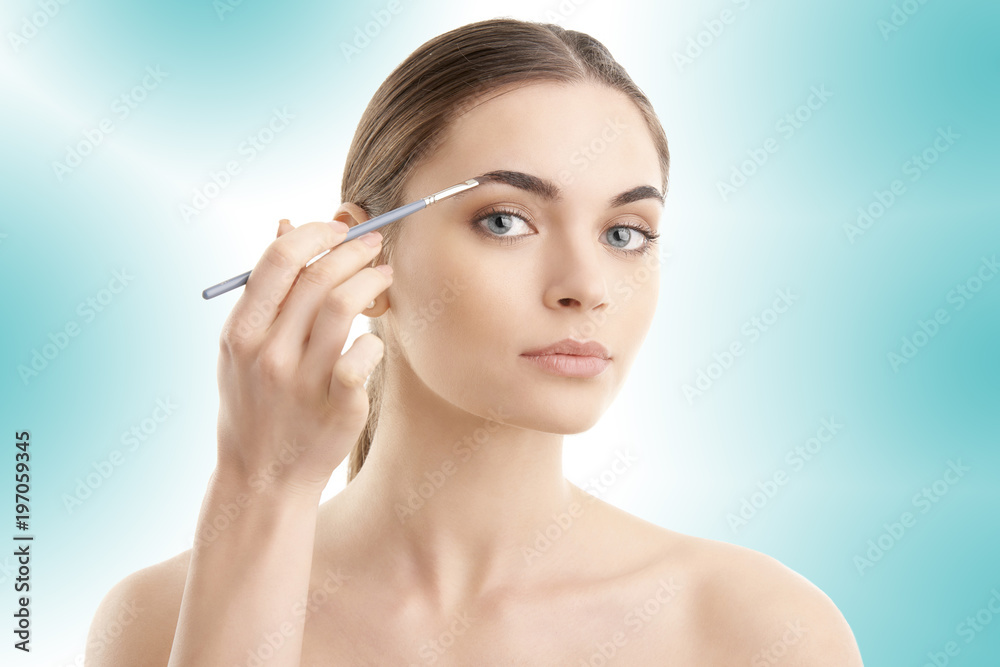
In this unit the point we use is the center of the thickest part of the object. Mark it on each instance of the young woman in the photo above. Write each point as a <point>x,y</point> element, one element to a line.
<point>457,540</point>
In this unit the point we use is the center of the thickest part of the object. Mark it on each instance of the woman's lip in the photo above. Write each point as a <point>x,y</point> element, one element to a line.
<point>569,365</point>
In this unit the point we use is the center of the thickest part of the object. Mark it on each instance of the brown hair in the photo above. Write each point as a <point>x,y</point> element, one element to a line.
<point>408,116</point>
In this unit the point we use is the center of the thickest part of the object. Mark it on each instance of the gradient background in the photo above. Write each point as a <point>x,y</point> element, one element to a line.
<point>724,260</point>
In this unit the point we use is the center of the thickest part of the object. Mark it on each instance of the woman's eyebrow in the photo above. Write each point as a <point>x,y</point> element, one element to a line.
<point>546,189</point>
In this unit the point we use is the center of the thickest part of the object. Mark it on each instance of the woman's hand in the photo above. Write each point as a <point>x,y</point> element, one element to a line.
<point>291,406</point>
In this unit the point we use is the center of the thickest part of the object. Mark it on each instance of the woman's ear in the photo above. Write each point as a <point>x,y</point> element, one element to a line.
<point>350,213</point>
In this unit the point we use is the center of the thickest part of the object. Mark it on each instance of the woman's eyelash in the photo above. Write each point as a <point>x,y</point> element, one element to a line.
<point>651,236</point>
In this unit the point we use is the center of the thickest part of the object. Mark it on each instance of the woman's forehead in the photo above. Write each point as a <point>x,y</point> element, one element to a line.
<point>557,130</point>
<point>543,110</point>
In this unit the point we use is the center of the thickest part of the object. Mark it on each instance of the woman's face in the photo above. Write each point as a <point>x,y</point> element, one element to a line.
<point>485,276</point>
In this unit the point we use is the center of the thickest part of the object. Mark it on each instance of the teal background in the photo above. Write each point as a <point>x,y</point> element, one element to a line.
<point>724,260</point>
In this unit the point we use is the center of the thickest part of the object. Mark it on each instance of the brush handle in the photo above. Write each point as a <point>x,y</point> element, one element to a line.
<point>225,286</point>
<point>352,233</point>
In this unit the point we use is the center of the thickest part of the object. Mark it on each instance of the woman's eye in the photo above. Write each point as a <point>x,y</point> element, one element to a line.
<point>627,239</point>
<point>507,226</point>
<point>501,223</point>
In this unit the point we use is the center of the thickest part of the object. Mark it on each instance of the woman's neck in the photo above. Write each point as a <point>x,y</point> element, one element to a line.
<point>459,503</point>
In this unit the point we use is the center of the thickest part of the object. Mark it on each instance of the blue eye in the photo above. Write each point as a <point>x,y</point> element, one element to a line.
<point>497,223</point>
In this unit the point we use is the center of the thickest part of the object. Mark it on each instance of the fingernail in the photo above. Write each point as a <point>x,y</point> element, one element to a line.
<point>372,238</point>
<point>384,268</point>
<point>339,226</point>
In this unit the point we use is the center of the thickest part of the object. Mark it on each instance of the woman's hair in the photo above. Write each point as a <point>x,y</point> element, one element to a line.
<point>407,118</point>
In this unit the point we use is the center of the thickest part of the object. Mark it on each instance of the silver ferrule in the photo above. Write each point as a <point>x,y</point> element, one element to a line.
<point>453,190</point>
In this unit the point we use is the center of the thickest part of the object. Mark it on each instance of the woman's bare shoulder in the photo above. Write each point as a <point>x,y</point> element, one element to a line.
<point>135,622</point>
<point>739,605</point>
<point>760,609</point>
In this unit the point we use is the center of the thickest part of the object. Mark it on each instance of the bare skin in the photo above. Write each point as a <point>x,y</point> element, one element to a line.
<point>615,583</point>
<point>505,562</point>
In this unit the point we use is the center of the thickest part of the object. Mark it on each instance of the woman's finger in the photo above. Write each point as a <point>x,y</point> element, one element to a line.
<point>333,324</point>
<point>270,281</point>
<point>354,367</point>
<point>298,313</point>
<point>284,226</point>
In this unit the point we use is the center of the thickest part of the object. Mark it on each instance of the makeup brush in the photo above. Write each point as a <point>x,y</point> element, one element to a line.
<point>358,230</point>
